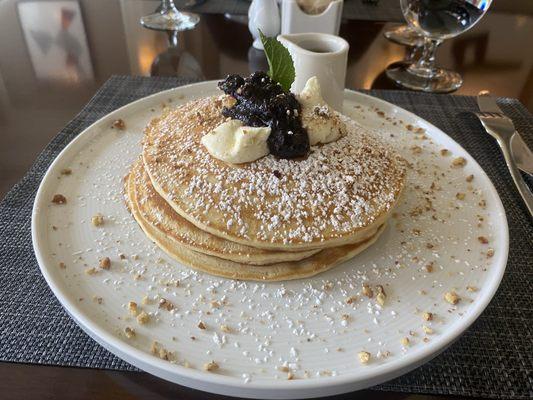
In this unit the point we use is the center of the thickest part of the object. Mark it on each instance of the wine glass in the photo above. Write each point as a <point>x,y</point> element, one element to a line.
<point>169,18</point>
<point>436,20</point>
<point>176,61</point>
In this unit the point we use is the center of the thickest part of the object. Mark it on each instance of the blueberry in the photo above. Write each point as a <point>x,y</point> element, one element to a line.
<point>231,84</point>
<point>259,78</point>
<point>280,104</point>
<point>288,144</point>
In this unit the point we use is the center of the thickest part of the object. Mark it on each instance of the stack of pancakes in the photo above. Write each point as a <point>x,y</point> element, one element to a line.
<point>268,220</point>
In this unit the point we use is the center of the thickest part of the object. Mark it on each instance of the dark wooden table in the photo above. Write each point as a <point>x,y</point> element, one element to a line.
<point>40,93</point>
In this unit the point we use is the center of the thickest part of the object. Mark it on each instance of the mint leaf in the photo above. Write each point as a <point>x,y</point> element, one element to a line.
<point>280,64</point>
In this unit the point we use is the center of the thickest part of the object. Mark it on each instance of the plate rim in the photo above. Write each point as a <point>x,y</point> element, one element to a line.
<point>223,384</point>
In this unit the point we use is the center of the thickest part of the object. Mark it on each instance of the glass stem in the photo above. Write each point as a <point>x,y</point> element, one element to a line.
<point>425,66</point>
<point>168,6</point>
<point>173,39</point>
<point>412,53</point>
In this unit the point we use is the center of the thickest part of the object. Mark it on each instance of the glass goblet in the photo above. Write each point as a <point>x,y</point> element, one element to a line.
<point>169,18</point>
<point>436,20</point>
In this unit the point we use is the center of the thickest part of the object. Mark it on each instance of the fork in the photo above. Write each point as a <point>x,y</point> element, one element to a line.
<point>501,128</point>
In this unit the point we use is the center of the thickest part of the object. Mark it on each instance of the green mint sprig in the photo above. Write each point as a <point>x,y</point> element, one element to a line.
<point>280,63</point>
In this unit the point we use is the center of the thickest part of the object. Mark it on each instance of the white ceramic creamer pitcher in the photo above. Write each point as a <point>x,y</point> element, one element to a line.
<point>322,55</point>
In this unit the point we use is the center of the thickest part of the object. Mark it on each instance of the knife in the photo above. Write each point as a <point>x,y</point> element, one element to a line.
<point>521,153</point>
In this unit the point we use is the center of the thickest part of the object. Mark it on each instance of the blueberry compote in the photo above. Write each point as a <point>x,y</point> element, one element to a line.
<point>263,102</point>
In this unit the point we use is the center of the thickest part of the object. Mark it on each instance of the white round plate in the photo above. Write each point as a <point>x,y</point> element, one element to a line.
<point>305,326</point>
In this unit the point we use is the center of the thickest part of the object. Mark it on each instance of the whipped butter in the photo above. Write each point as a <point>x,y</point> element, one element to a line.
<point>323,123</point>
<point>235,143</point>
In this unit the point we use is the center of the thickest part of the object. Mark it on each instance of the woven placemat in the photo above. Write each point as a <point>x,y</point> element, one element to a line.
<point>368,10</point>
<point>492,359</point>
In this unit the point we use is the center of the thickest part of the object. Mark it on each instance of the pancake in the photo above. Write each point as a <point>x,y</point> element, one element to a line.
<point>180,233</point>
<point>317,263</point>
<point>342,192</point>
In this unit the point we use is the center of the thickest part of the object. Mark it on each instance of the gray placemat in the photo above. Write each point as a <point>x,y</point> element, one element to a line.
<point>493,358</point>
<point>370,10</point>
